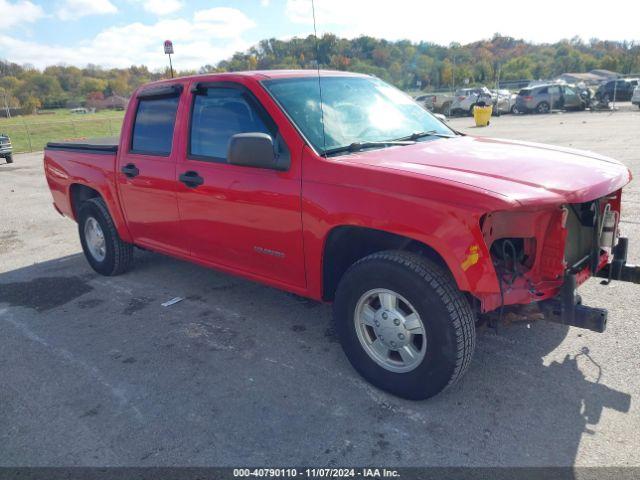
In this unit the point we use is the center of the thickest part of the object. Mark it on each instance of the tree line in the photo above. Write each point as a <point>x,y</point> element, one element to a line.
<point>403,63</point>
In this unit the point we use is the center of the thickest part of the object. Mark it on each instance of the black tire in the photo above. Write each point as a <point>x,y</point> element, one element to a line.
<point>9,158</point>
<point>118,256</point>
<point>446,109</point>
<point>543,107</point>
<point>449,322</point>
<point>606,98</point>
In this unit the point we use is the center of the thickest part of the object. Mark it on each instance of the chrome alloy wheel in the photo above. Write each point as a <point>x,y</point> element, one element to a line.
<point>94,238</point>
<point>390,330</point>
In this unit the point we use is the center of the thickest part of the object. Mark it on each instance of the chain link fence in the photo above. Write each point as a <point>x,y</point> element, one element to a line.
<point>32,137</point>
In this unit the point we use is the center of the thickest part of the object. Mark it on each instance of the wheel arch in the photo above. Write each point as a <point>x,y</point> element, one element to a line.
<point>346,244</point>
<point>80,193</point>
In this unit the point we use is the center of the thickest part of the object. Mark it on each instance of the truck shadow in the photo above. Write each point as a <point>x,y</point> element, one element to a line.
<point>529,398</point>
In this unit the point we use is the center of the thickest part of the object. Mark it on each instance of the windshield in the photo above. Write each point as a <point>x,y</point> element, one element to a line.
<point>355,110</point>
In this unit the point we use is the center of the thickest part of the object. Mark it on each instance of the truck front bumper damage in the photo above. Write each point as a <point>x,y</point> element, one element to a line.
<point>566,308</point>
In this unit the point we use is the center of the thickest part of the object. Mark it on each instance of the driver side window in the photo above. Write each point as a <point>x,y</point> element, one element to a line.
<point>217,115</point>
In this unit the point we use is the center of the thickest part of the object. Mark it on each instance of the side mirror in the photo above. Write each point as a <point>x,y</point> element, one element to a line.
<point>253,149</point>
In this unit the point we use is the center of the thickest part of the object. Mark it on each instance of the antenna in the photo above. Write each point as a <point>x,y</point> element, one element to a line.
<point>315,34</point>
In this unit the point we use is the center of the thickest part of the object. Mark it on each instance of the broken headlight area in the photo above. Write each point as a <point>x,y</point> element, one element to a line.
<point>533,251</point>
<point>513,256</point>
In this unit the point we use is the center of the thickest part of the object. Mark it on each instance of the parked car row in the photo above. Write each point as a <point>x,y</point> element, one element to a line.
<point>539,97</point>
<point>464,99</point>
<point>5,148</point>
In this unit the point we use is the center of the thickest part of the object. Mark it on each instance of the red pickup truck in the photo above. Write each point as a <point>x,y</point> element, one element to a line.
<point>338,187</point>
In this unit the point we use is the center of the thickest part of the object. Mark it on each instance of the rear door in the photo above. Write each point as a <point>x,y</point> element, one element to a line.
<point>146,171</point>
<point>243,218</point>
<point>555,97</point>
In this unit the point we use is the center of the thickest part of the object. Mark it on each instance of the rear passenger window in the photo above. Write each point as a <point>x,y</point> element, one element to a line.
<point>220,113</point>
<point>153,127</point>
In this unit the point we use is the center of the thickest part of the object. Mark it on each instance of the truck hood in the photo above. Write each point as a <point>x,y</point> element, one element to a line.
<point>528,173</point>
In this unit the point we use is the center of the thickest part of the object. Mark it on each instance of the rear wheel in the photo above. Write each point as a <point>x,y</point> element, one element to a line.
<point>104,249</point>
<point>543,107</point>
<point>403,324</point>
<point>9,158</point>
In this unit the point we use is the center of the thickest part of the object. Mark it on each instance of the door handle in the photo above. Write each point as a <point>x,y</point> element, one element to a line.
<point>130,170</point>
<point>191,179</point>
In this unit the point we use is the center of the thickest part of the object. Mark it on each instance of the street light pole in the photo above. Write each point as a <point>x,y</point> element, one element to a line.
<point>168,49</point>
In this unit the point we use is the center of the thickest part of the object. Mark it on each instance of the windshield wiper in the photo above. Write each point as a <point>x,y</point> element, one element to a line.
<point>357,146</point>
<point>429,133</point>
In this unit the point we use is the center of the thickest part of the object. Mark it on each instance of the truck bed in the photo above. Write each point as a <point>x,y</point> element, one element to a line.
<point>107,145</point>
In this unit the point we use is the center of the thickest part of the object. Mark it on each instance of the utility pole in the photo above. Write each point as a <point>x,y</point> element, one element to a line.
<point>453,77</point>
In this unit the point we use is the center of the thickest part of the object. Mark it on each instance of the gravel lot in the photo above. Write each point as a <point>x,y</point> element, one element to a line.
<point>96,372</point>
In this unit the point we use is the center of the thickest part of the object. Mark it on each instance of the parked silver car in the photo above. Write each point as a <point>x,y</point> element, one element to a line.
<point>635,99</point>
<point>465,99</point>
<point>544,98</point>
<point>436,102</point>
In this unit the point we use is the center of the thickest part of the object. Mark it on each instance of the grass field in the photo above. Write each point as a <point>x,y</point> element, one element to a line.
<point>30,133</point>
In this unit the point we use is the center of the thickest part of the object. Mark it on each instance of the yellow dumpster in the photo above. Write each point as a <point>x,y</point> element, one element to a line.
<point>482,115</point>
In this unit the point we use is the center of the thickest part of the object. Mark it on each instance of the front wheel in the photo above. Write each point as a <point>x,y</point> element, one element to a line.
<point>403,324</point>
<point>9,158</point>
<point>104,249</point>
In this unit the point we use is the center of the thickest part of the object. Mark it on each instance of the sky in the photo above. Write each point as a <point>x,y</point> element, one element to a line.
<point>120,33</point>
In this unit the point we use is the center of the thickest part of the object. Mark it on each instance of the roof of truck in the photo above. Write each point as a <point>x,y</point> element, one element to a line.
<point>296,73</point>
<point>263,75</point>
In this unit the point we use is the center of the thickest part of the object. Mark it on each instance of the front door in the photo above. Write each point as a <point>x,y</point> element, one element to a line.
<point>146,173</point>
<point>244,218</point>
<point>571,98</point>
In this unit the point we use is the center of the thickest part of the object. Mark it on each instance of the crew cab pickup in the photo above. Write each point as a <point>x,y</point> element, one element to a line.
<point>338,187</point>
